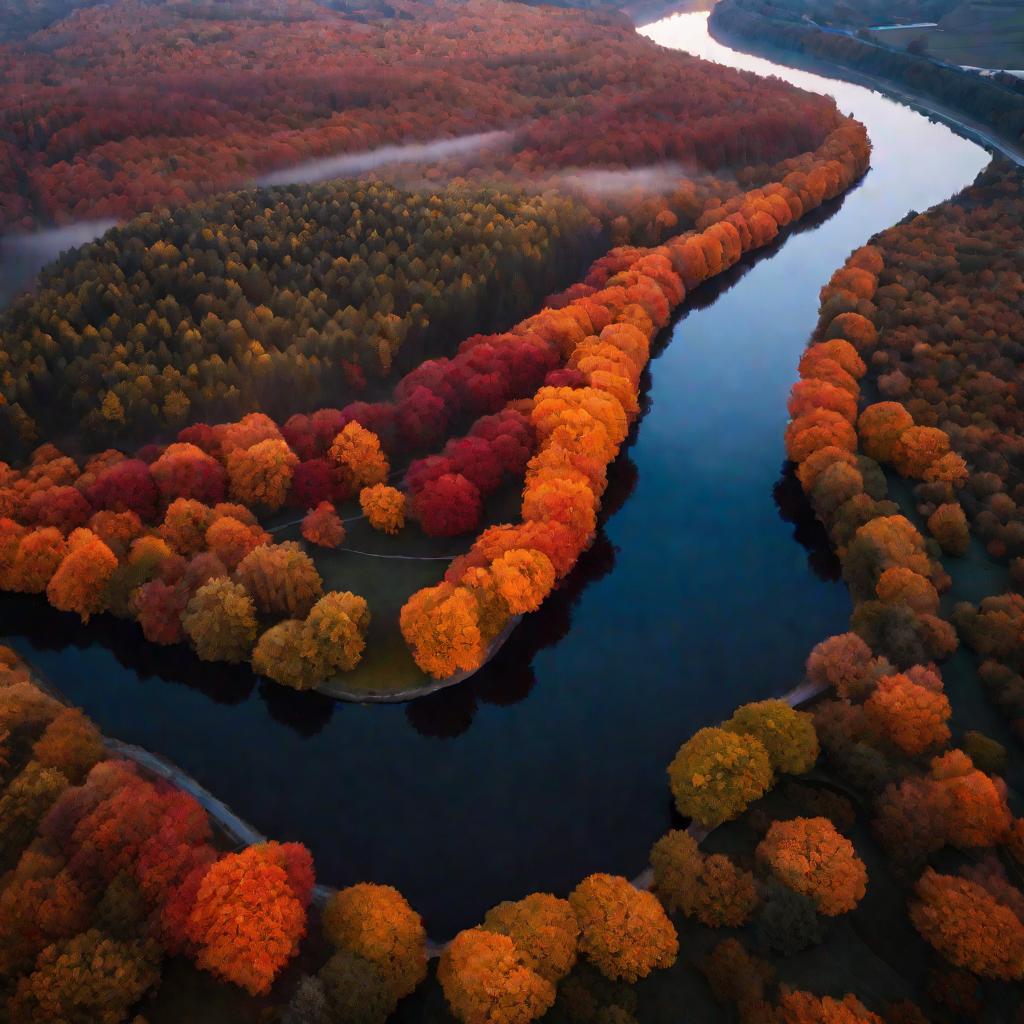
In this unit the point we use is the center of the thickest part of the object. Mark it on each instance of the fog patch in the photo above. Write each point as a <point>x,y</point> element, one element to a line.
<point>23,256</point>
<point>656,179</point>
<point>350,164</point>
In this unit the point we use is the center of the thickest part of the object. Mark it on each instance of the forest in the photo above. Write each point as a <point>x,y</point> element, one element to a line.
<point>265,299</point>
<point>172,536</point>
<point>128,131</point>
<point>201,409</point>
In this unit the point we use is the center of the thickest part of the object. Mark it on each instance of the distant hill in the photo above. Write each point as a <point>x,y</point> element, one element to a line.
<point>20,18</point>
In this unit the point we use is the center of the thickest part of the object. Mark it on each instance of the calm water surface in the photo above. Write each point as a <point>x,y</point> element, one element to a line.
<point>705,589</point>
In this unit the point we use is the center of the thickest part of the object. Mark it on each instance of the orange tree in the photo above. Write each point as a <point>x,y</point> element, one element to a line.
<point>710,888</point>
<point>968,926</point>
<point>376,923</point>
<point>246,920</point>
<point>624,932</point>
<point>810,857</point>
<point>486,980</point>
<point>544,930</point>
<point>796,1007</point>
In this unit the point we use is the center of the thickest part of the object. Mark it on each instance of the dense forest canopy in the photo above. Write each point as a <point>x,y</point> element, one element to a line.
<point>99,119</point>
<point>281,299</point>
<point>952,351</point>
<point>332,332</point>
<point>867,12</point>
<point>289,299</point>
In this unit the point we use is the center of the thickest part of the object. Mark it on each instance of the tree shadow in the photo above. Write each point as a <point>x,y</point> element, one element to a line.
<point>808,530</point>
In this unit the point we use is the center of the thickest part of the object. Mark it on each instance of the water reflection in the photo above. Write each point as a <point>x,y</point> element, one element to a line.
<point>509,677</point>
<point>30,619</point>
<point>447,713</point>
<point>808,530</point>
<point>306,713</point>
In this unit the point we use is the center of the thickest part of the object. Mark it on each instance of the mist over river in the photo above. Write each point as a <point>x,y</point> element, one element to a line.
<point>23,256</point>
<point>707,586</point>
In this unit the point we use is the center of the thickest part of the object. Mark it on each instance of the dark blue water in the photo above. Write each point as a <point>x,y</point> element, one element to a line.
<point>706,588</point>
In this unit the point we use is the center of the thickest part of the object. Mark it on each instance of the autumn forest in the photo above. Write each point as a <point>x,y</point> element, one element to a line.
<point>508,511</point>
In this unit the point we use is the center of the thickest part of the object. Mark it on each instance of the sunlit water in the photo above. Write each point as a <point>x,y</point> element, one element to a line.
<point>697,596</point>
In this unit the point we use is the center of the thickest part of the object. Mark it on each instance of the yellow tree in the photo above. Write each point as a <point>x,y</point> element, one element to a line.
<point>717,774</point>
<point>376,922</point>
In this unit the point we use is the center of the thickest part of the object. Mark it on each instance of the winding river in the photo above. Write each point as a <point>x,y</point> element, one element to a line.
<point>706,588</point>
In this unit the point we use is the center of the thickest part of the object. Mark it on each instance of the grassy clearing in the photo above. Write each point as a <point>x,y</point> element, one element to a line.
<point>387,570</point>
<point>975,34</point>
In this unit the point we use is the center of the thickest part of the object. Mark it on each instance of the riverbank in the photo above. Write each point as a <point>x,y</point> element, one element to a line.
<point>969,128</point>
<point>237,833</point>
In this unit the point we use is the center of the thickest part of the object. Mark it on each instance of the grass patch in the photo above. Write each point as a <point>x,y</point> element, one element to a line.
<point>387,570</point>
<point>972,35</point>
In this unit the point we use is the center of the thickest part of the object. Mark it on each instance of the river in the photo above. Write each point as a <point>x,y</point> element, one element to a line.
<point>706,588</point>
